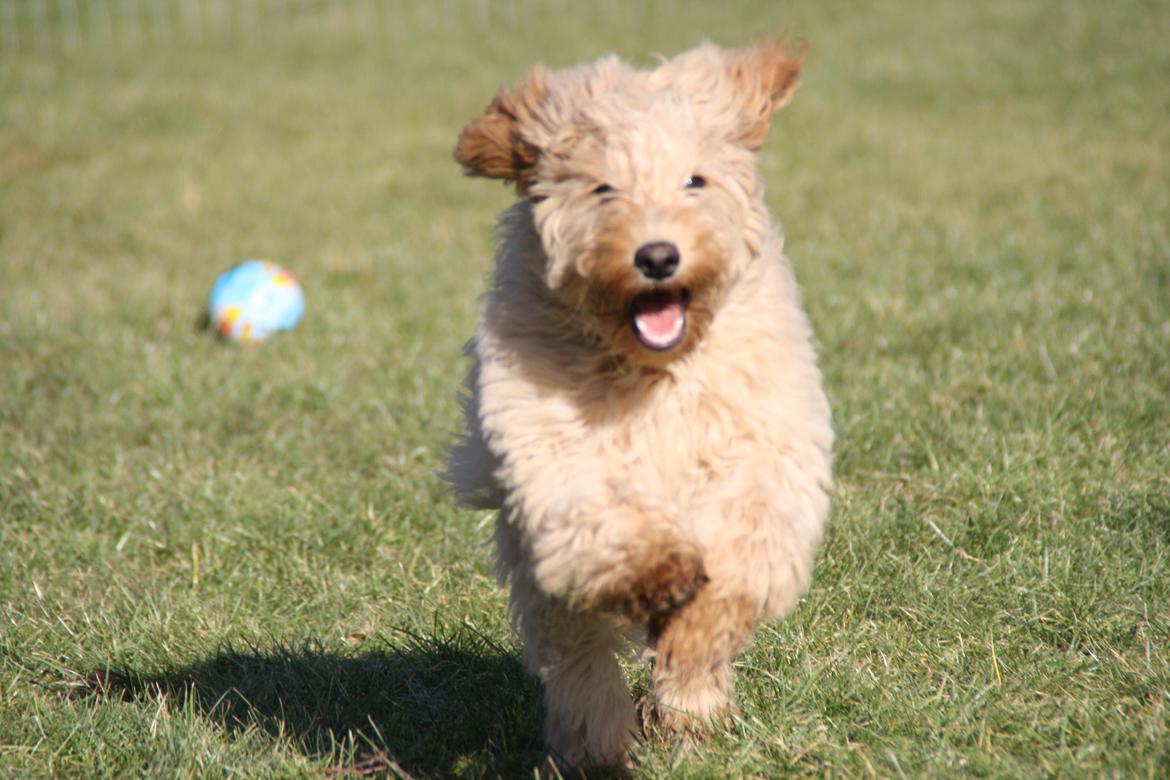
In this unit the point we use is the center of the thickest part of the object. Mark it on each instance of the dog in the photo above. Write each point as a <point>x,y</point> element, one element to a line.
<point>644,408</point>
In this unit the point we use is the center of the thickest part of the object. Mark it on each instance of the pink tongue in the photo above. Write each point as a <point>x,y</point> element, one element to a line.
<point>659,318</point>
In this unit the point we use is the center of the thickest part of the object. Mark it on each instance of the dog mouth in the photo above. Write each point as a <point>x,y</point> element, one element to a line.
<point>659,318</point>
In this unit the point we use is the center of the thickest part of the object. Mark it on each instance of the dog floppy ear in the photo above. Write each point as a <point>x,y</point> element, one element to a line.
<point>495,143</point>
<point>767,75</point>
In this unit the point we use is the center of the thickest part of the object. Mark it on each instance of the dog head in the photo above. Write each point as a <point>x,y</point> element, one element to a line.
<point>643,185</point>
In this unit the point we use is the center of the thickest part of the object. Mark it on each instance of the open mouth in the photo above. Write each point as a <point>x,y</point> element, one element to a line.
<point>659,318</point>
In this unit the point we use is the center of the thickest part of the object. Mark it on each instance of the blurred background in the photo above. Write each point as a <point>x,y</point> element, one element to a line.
<point>248,546</point>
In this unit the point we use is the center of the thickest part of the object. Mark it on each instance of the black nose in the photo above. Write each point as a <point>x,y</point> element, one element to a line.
<point>657,260</point>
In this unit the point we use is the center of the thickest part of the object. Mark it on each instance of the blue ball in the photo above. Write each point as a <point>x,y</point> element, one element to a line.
<point>254,300</point>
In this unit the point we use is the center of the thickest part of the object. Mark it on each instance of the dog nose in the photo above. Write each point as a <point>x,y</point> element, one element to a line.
<point>657,260</point>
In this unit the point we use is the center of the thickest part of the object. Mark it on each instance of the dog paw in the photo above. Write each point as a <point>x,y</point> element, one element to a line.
<point>664,724</point>
<point>614,760</point>
<point>553,768</point>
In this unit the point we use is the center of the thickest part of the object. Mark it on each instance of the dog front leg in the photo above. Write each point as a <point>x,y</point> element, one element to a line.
<point>589,718</point>
<point>620,556</point>
<point>692,675</point>
<point>759,532</point>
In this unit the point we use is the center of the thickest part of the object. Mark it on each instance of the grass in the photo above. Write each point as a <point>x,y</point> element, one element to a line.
<point>237,562</point>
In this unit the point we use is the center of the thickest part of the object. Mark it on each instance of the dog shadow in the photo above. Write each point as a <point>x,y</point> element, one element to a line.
<point>456,705</point>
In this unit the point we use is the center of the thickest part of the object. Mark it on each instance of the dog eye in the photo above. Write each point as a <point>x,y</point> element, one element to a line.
<point>602,189</point>
<point>696,182</point>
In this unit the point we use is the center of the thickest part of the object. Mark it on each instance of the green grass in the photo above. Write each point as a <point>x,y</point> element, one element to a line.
<point>238,562</point>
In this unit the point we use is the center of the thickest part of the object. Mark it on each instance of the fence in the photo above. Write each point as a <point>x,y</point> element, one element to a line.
<point>63,25</point>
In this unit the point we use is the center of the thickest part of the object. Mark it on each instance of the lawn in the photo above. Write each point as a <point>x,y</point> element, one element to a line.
<point>221,561</point>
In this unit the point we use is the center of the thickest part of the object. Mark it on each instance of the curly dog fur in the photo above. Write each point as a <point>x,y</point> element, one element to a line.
<point>644,408</point>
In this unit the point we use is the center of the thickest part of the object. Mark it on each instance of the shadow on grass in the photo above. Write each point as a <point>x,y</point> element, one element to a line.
<point>453,705</point>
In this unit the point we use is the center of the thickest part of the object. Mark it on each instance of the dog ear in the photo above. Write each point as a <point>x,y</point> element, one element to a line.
<point>767,75</point>
<point>495,144</point>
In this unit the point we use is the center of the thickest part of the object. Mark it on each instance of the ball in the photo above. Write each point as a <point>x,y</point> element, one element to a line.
<point>254,300</point>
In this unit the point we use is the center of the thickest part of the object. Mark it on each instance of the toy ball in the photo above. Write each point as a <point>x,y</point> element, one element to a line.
<point>254,300</point>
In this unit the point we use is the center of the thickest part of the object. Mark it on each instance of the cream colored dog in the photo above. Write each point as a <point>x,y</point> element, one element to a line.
<point>645,408</point>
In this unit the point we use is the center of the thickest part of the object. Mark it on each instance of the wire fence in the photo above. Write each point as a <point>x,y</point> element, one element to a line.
<point>68,25</point>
